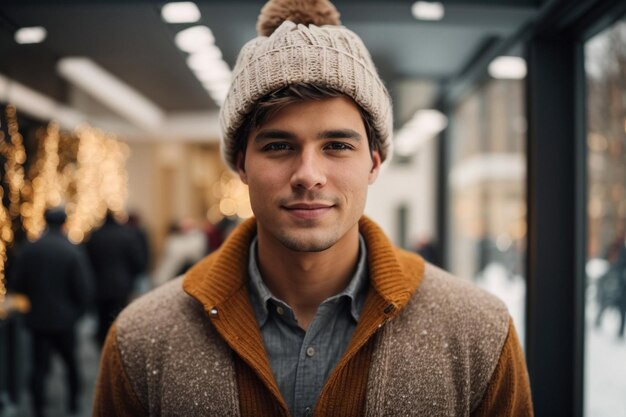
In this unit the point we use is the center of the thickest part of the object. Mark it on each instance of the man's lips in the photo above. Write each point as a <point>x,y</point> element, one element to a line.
<point>308,210</point>
<point>308,206</point>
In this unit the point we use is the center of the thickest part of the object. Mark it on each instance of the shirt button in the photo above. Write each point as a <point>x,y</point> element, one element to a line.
<point>307,411</point>
<point>280,310</point>
<point>310,351</point>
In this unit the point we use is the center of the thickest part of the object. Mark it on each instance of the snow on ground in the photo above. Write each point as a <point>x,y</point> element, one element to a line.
<point>605,354</point>
<point>605,366</point>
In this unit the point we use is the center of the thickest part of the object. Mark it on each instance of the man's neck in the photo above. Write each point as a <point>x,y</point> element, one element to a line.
<point>305,279</point>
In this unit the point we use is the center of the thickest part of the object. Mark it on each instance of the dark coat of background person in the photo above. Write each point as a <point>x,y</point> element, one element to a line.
<point>117,258</point>
<point>57,278</point>
<point>135,225</point>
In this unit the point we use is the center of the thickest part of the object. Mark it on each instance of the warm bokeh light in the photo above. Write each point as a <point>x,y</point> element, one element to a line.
<point>85,172</point>
<point>101,181</point>
<point>15,156</point>
<point>45,187</point>
<point>233,198</point>
<point>6,236</point>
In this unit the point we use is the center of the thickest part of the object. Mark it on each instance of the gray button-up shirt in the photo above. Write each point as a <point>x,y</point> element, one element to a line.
<point>302,361</point>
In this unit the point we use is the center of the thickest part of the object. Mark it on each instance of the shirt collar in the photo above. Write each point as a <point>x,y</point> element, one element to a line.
<point>260,295</point>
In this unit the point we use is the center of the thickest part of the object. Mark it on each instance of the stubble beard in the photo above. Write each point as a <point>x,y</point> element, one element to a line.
<point>297,244</point>
<point>307,240</point>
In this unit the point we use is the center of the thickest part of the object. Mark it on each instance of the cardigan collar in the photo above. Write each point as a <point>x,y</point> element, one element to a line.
<point>219,283</point>
<point>216,278</point>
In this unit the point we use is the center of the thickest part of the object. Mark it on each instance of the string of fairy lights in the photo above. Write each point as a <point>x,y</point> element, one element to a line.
<point>6,237</point>
<point>101,181</point>
<point>45,188</point>
<point>84,171</point>
<point>14,154</point>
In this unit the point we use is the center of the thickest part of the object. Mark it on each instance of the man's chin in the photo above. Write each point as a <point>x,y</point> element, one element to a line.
<point>306,244</point>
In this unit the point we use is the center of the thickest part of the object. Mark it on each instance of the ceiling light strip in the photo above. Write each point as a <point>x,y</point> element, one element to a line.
<point>180,12</point>
<point>111,91</point>
<point>508,68</point>
<point>424,126</point>
<point>38,105</point>
<point>428,10</point>
<point>205,60</point>
<point>33,34</point>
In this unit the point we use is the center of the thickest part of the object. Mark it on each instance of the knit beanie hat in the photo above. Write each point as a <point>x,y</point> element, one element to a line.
<point>301,41</point>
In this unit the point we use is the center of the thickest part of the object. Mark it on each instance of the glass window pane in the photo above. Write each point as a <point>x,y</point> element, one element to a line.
<point>605,347</point>
<point>487,234</point>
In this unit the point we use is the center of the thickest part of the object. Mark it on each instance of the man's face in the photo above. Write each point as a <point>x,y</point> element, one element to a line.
<point>308,169</point>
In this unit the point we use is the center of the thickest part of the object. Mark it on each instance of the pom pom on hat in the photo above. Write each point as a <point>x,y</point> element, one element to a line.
<point>275,12</point>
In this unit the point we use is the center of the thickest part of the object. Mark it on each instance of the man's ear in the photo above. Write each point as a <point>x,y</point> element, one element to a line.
<point>376,163</point>
<point>240,164</point>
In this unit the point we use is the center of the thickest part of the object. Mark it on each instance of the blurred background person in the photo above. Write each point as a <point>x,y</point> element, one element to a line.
<point>117,258</point>
<point>428,249</point>
<point>611,286</point>
<point>55,275</point>
<point>184,246</point>
<point>142,283</point>
<point>217,233</point>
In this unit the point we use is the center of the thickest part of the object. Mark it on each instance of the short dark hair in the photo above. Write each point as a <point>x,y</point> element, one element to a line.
<point>269,105</point>
<point>55,216</point>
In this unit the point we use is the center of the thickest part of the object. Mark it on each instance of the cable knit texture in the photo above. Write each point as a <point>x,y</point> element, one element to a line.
<point>426,344</point>
<point>299,51</point>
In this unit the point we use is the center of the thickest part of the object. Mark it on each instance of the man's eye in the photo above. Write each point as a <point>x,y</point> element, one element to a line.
<point>338,146</point>
<point>277,146</point>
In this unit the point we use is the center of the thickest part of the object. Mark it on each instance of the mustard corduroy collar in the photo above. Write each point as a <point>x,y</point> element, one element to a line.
<point>219,283</point>
<point>214,279</point>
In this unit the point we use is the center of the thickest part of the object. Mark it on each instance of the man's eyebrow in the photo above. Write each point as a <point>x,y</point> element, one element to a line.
<point>340,134</point>
<point>274,134</point>
<point>267,134</point>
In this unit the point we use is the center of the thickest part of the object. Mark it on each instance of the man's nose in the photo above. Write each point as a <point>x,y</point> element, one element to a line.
<point>309,171</point>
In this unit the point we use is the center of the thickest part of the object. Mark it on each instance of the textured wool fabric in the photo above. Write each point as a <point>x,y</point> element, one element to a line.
<point>199,351</point>
<point>115,396</point>
<point>506,379</point>
<point>163,337</point>
<point>436,353</point>
<point>330,56</point>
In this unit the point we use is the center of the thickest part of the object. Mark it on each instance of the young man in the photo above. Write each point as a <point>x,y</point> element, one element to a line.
<point>308,309</point>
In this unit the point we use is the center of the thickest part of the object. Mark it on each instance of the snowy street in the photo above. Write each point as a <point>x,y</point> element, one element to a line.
<point>605,354</point>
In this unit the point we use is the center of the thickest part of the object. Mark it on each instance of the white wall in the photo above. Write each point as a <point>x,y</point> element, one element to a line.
<point>412,185</point>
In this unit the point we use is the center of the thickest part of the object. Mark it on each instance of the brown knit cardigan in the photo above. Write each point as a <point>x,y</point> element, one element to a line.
<point>427,344</point>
